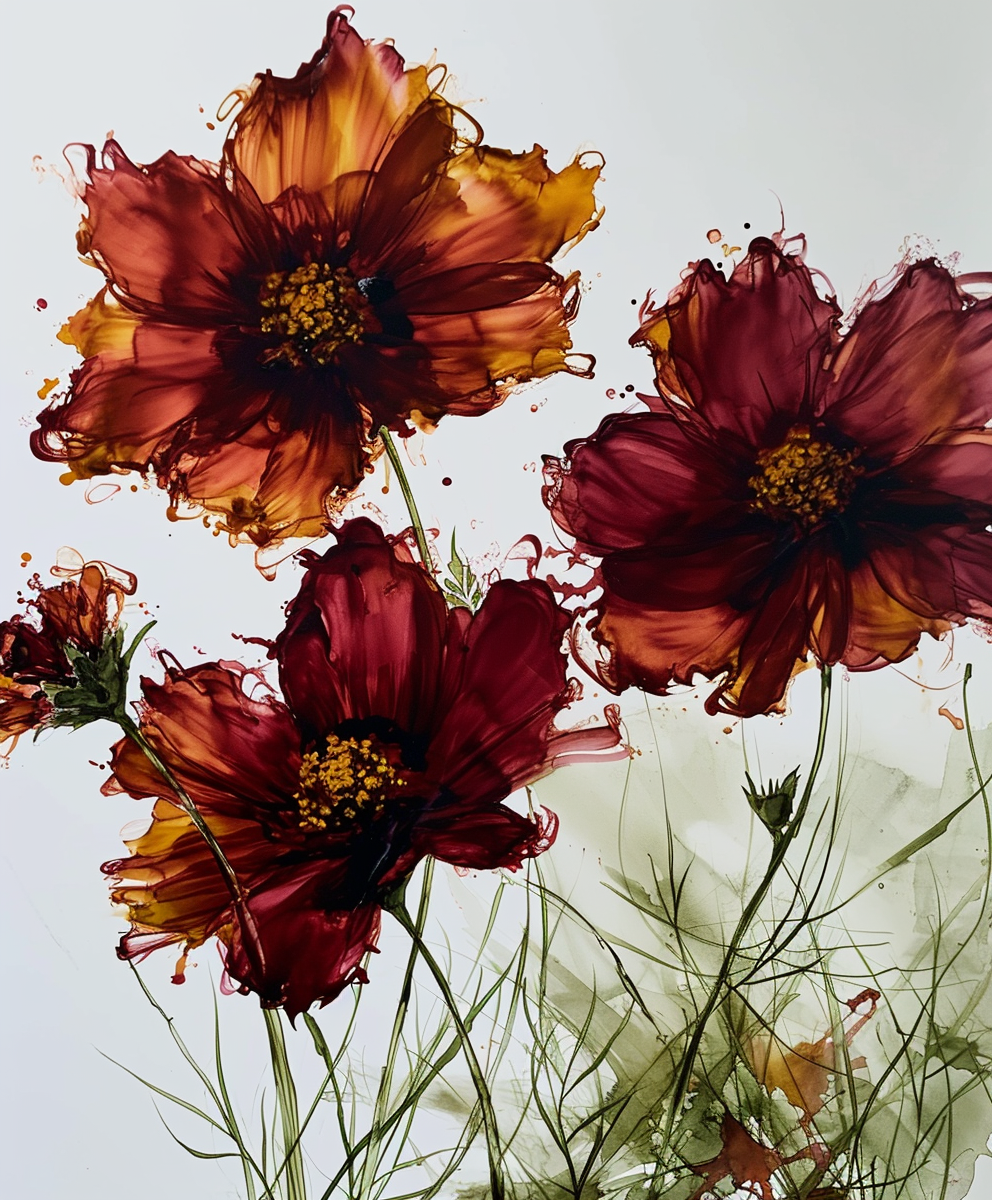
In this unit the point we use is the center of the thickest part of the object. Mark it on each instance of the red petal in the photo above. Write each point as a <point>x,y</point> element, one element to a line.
<point>484,839</point>
<point>743,352</point>
<point>916,366</point>
<point>641,477</point>
<point>171,238</point>
<point>363,637</point>
<point>304,953</point>
<point>504,683</point>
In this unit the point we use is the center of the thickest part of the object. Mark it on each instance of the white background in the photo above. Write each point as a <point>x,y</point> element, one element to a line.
<point>869,121</point>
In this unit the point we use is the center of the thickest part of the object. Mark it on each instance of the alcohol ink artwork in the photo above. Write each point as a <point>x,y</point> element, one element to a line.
<point>586,799</point>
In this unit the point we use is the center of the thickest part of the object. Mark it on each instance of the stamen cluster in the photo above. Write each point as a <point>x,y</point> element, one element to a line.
<point>315,309</point>
<point>352,778</point>
<point>804,479</point>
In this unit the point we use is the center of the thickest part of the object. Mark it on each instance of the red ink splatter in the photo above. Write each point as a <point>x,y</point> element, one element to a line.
<point>41,303</point>
<point>446,481</point>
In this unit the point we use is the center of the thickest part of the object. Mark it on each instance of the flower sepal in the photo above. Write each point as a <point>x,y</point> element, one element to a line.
<point>773,804</point>
<point>98,691</point>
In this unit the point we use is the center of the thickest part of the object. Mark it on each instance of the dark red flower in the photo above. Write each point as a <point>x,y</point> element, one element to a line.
<point>35,646</point>
<point>352,262</point>
<point>797,491</point>
<point>405,727</point>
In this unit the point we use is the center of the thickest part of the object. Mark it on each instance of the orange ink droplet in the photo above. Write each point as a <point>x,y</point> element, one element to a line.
<point>714,236</point>
<point>955,721</point>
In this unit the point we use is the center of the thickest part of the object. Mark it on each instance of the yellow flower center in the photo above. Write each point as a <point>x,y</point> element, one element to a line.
<point>352,778</point>
<point>315,310</point>
<point>804,479</point>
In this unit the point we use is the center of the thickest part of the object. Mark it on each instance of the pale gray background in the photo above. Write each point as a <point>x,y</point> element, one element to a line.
<point>870,122</point>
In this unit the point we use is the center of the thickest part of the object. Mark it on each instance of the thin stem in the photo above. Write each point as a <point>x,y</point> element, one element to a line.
<point>371,1163</point>
<point>779,852</point>
<point>238,895</point>
<point>296,1188</point>
<point>393,454</point>
<point>496,1183</point>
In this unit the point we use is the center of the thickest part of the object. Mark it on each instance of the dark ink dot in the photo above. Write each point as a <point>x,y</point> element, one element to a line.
<point>629,387</point>
<point>633,301</point>
<point>747,224</point>
<point>446,481</point>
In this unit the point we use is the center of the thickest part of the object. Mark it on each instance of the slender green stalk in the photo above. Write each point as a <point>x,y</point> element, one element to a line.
<point>496,1183</point>
<point>370,1165</point>
<point>393,454</point>
<point>296,1188</point>
<point>779,852</point>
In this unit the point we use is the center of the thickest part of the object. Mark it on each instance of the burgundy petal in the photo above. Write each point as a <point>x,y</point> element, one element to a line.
<point>504,682</point>
<point>641,477</point>
<point>743,352</point>
<point>916,366</point>
<point>364,636</point>
<point>485,838</point>
<point>306,950</point>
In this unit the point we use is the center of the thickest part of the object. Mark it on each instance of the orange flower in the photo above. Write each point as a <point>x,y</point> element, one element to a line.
<point>353,261</point>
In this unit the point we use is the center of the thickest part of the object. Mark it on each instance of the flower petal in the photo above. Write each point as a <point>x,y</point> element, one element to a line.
<point>484,839</point>
<point>497,206</point>
<point>129,402</point>
<point>743,352</point>
<point>642,477</point>
<point>339,114</point>
<point>363,637</point>
<point>308,952</point>
<point>504,683</point>
<point>171,237</point>
<point>915,368</point>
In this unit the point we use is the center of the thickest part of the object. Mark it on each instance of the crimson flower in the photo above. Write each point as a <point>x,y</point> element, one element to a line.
<point>353,261</point>
<point>404,727</point>
<point>37,648</point>
<point>796,491</point>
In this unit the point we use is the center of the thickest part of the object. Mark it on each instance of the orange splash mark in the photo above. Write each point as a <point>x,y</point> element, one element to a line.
<point>803,1072</point>
<point>955,721</point>
<point>713,236</point>
<point>48,385</point>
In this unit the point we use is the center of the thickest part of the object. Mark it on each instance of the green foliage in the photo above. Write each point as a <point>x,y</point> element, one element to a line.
<point>99,689</point>
<point>461,587</point>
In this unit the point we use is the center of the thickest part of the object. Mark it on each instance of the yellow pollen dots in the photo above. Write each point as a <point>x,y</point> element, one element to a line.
<point>352,778</point>
<point>315,310</point>
<point>804,479</point>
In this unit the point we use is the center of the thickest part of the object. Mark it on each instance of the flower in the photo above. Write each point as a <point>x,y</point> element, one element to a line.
<point>796,491</point>
<point>352,262</point>
<point>73,619</point>
<point>404,727</point>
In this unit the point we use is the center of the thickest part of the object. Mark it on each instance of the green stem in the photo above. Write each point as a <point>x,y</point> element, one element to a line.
<point>238,895</point>
<point>393,454</point>
<point>296,1188</point>
<point>779,852</point>
<point>371,1163</point>
<point>496,1183</point>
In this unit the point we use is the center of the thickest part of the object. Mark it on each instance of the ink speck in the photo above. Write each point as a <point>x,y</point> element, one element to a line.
<point>713,235</point>
<point>719,265</point>
<point>629,387</point>
<point>385,490</point>
<point>533,408</point>
<point>211,125</point>
<point>134,487</point>
<point>633,301</point>
<point>747,224</point>
<point>446,481</point>
<point>41,303</point>
<point>25,558</point>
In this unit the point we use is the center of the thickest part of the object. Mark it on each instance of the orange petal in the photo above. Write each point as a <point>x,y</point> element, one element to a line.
<point>339,114</point>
